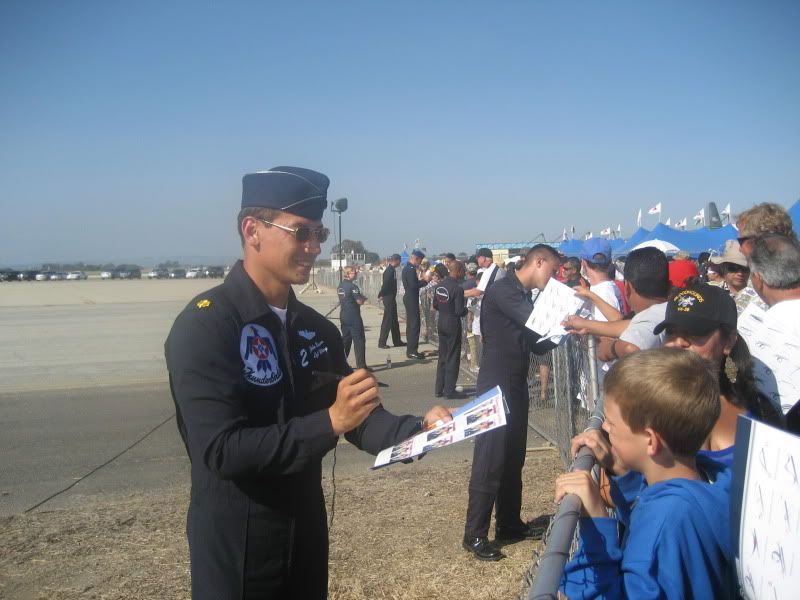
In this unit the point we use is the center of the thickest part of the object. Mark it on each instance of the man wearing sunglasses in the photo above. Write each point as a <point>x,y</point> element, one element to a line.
<point>262,392</point>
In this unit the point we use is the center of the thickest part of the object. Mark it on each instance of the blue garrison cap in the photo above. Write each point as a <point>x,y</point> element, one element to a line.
<point>302,192</point>
<point>418,253</point>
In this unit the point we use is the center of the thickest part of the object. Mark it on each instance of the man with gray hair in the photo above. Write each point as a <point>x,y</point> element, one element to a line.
<point>775,271</point>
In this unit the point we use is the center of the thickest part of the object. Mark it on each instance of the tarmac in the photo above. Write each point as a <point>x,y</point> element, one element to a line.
<point>85,407</point>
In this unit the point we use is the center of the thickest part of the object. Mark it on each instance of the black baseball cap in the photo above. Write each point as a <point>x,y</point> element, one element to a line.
<point>699,310</point>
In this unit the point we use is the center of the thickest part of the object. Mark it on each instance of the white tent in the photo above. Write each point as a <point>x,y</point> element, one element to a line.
<point>665,247</point>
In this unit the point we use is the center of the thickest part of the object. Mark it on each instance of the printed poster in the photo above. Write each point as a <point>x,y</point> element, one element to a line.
<point>486,412</point>
<point>554,304</point>
<point>765,510</point>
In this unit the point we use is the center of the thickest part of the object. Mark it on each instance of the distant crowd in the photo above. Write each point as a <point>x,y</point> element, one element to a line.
<point>685,346</point>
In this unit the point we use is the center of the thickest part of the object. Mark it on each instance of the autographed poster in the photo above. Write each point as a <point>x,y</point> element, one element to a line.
<point>765,511</point>
<point>486,412</point>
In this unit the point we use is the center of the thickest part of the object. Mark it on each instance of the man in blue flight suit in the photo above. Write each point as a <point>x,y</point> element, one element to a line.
<point>412,285</point>
<point>499,455</point>
<point>255,377</point>
<point>350,301</point>
<point>448,300</point>
<point>388,295</point>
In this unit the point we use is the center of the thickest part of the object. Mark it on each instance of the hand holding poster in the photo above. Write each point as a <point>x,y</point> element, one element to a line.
<point>552,306</point>
<point>486,412</point>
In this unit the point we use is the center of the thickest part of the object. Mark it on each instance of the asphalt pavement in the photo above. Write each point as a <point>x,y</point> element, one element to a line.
<point>85,407</point>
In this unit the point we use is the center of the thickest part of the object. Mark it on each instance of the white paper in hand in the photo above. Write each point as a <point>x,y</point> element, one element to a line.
<point>555,303</point>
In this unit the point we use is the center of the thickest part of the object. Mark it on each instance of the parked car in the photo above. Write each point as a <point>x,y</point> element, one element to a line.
<point>75,275</point>
<point>195,273</point>
<point>59,276</point>
<point>27,275</point>
<point>106,275</point>
<point>177,274</point>
<point>158,274</point>
<point>9,275</point>
<point>214,272</point>
<point>44,276</point>
<point>126,272</point>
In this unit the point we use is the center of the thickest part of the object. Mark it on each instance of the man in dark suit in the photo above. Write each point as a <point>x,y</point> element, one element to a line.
<point>388,295</point>
<point>412,286</point>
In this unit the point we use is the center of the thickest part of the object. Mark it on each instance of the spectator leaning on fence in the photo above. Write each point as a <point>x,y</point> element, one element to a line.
<point>646,288</point>
<point>660,406</point>
<point>775,261</point>
<point>702,319</point>
<point>595,263</point>
<point>491,273</point>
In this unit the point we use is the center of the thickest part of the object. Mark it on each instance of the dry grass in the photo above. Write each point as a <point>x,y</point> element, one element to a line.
<point>396,535</point>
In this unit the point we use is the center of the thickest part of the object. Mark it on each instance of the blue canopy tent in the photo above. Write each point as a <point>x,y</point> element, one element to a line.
<point>694,242</point>
<point>570,247</point>
<point>794,212</point>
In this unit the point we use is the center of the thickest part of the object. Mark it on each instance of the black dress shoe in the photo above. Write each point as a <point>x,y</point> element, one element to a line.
<point>416,355</point>
<point>482,548</point>
<point>438,394</point>
<point>510,536</point>
<point>456,396</point>
<point>400,344</point>
<point>383,346</point>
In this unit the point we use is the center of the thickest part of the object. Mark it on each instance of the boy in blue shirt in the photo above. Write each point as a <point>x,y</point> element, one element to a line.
<point>660,406</point>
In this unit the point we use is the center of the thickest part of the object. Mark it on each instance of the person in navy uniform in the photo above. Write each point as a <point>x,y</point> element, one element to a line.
<point>350,301</point>
<point>498,456</point>
<point>257,407</point>
<point>412,286</point>
<point>388,295</point>
<point>448,300</point>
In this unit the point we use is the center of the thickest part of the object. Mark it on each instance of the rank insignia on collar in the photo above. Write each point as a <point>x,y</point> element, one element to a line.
<point>204,303</point>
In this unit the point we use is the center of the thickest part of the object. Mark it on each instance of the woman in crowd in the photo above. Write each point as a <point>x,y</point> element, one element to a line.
<point>702,319</point>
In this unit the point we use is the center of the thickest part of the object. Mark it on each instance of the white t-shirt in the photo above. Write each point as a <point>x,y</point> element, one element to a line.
<point>487,276</point>
<point>609,292</point>
<point>281,312</point>
<point>640,329</point>
<point>773,338</point>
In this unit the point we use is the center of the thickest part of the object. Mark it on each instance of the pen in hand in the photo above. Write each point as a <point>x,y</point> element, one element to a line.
<point>328,376</point>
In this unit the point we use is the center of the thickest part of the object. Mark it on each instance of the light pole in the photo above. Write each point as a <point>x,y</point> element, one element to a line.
<point>339,206</point>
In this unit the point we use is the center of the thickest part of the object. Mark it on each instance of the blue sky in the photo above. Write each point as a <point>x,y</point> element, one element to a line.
<point>127,126</point>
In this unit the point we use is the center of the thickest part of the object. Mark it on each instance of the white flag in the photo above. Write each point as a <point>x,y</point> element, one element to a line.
<point>726,210</point>
<point>656,210</point>
<point>639,219</point>
<point>564,235</point>
<point>700,216</point>
<point>606,231</point>
<point>669,221</point>
<point>619,228</point>
<point>588,236</point>
<point>681,224</point>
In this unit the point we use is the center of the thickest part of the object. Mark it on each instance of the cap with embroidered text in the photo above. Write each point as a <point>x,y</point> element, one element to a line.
<point>699,310</point>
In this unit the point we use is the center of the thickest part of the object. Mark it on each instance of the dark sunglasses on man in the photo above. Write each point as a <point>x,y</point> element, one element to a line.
<point>734,268</point>
<point>303,233</point>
